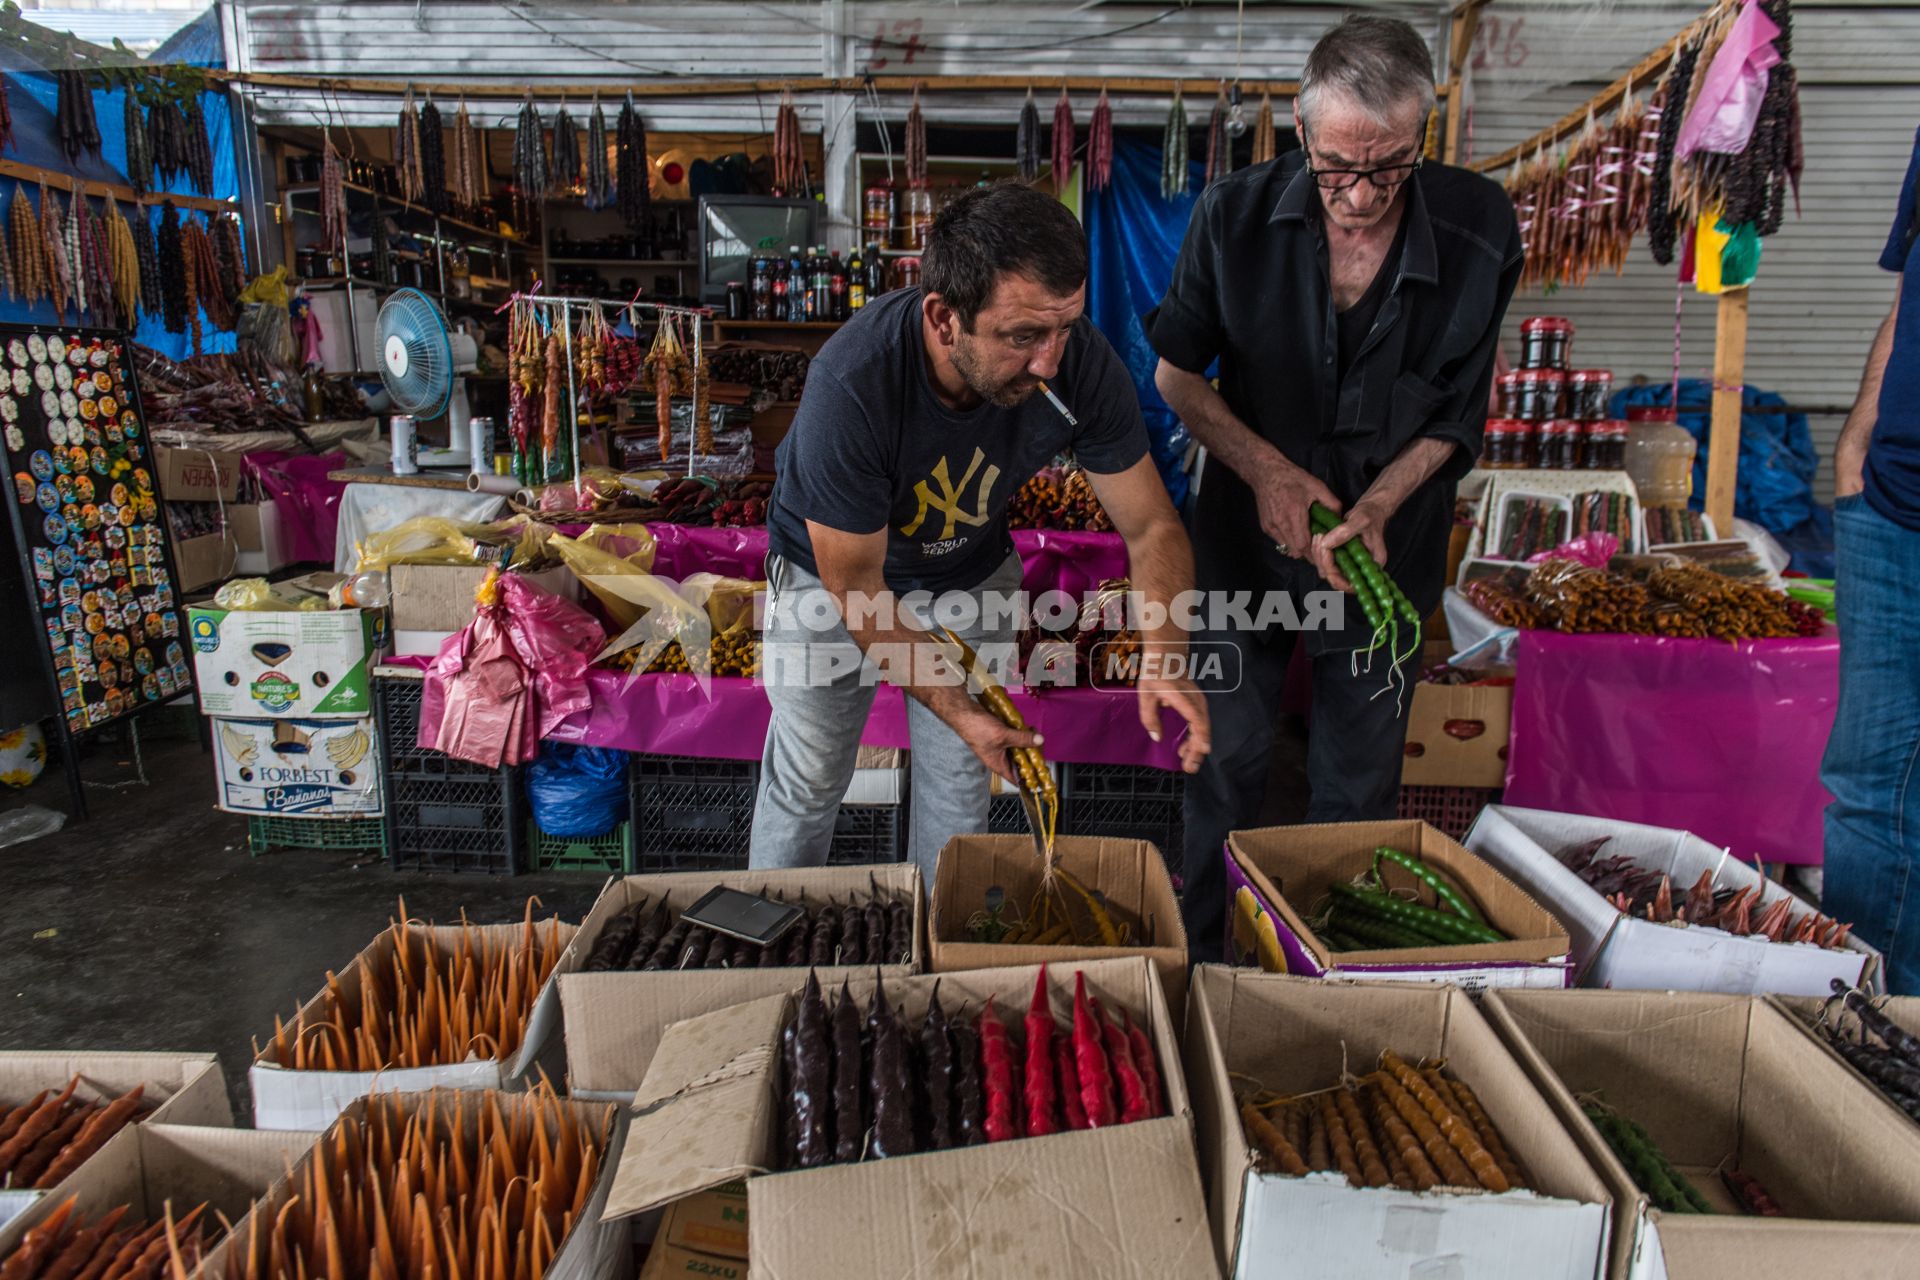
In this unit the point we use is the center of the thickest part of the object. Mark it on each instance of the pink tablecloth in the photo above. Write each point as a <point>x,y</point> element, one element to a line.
<point>1721,740</point>
<point>1071,562</point>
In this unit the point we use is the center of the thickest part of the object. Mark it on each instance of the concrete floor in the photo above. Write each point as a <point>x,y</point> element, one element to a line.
<point>166,935</point>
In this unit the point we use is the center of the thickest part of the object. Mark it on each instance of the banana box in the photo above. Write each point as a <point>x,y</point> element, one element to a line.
<point>298,768</point>
<point>300,664</point>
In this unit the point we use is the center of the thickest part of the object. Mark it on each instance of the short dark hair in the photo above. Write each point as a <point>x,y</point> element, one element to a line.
<point>1375,63</point>
<point>1007,228</point>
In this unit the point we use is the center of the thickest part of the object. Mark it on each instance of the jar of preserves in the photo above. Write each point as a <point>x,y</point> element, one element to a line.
<point>1508,445</point>
<point>1588,391</point>
<point>1532,395</point>
<point>1560,445</point>
<point>876,218</point>
<point>916,218</point>
<point>1546,342</point>
<point>1605,448</point>
<point>906,273</point>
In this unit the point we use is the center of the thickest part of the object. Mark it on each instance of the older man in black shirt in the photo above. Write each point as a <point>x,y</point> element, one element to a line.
<point>1353,295</point>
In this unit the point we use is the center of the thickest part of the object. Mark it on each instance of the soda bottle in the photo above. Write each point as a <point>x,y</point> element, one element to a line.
<point>836,286</point>
<point>856,283</point>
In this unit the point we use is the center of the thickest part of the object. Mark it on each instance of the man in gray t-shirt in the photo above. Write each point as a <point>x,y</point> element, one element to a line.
<point>920,420</point>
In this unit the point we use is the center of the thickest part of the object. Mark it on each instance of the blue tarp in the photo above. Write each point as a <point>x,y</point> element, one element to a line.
<point>32,96</point>
<point>1134,237</point>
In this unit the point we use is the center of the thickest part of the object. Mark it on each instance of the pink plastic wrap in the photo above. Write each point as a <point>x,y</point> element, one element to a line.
<point>1593,550</point>
<point>1728,101</point>
<point>308,502</point>
<point>1718,739</point>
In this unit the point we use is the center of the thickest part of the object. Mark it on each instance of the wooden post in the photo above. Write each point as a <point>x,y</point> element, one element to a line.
<point>1465,22</point>
<point>1729,391</point>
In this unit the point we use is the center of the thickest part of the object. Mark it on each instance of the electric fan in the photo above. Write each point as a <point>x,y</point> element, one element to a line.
<point>420,360</point>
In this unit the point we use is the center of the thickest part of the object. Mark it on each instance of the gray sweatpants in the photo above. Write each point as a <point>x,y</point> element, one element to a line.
<point>816,725</point>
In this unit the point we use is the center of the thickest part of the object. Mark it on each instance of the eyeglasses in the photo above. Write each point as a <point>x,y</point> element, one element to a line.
<point>1387,177</point>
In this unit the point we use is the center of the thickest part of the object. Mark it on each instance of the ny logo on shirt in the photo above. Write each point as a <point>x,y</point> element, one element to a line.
<point>948,501</point>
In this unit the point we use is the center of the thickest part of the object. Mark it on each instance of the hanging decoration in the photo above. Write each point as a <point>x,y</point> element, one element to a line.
<point>1173,149</point>
<point>1062,141</point>
<point>53,233</point>
<point>406,150</point>
<point>433,157</point>
<point>599,193</point>
<point>916,143</point>
<point>139,157</point>
<point>1265,145</point>
<point>469,160</point>
<point>124,260</point>
<point>73,110</point>
<point>199,148</point>
<point>529,160</point>
<point>789,167</point>
<point>176,287</point>
<point>1100,145</point>
<point>1026,140</point>
<point>1219,146</point>
<point>564,173</point>
<point>333,198</point>
<point>633,172</point>
<point>30,267</point>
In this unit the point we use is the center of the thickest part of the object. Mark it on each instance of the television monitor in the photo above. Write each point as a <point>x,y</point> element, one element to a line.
<point>735,229</point>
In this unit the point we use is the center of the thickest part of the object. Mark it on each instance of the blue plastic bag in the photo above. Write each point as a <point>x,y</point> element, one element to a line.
<point>578,792</point>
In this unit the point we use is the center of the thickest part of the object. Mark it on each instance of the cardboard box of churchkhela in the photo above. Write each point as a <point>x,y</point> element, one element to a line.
<point>591,1250</point>
<point>180,1088</point>
<point>1130,874</point>
<point>1611,950</point>
<point>146,1167</point>
<point>1297,1035</point>
<point>1810,1015</point>
<point>1278,876</point>
<point>1122,1201</point>
<point>288,1098</point>
<point>1726,1082</point>
<point>614,1019</point>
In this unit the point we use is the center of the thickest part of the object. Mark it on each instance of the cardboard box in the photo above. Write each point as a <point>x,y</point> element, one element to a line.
<point>292,664</point>
<point>438,598</point>
<point>1123,1201</point>
<point>299,768</point>
<point>203,561</point>
<point>259,536</point>
<point>590,1250</point>
<point>1726,1082</point>
<point>879,776</point>
<point>1610,950</point>
<point>666,1260</point>
<point>1277,875</point>
<point>1436,753</point>
<point>187,1087</point>
<point>145,1166</point>
<point>1130,873</point>
<point>1296,1035</point>
<point>284,1098</point>
<point>614,1021</point>
<point>197,475</point>
<point>711,1222</point>
<point>1805,1012</point>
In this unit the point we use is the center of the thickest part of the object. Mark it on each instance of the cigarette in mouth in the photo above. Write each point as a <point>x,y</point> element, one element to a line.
<point>1055,401</point>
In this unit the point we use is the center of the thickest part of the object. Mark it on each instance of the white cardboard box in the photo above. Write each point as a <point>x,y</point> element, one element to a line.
<point>284,1098</point>
<point>298,768</point>
<point>1611,950</point>
<point>296,664</point>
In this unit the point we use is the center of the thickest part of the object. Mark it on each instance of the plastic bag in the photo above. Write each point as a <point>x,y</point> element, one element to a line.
<point>438,540</point>
<point>578,791</point>
<point>602,556</point>
<point>257,595</point>
<point>1594,550</point>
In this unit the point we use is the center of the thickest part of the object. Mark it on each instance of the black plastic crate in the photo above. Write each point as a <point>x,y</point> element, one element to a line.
<point>475,824</point>
<point>864,833</point>
<point>1005,816</point>
<point>1449,810</point>
<point>692,814</point>
<point>396,709</point>
<point>1126,802</point>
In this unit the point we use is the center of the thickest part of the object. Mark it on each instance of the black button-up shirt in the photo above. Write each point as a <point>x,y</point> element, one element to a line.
<point>1252,288</point>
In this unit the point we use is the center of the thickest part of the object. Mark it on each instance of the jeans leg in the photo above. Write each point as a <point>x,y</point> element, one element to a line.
<point>821,694</point>
<point>1355,739</point>
<point>949,795</point>
<point>1227,792</point>
<point>1873,824</point>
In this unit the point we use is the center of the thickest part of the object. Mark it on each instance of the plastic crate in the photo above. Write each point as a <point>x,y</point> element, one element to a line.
<point>1126,802</point>
<point>610,852</point>
<point>1449,810</point>
<point>864,833</point>
<point>475,825</point>
<point>692,814</point>
<point>274,831</point>
<point>1005,816</point>
<point>396,707</point>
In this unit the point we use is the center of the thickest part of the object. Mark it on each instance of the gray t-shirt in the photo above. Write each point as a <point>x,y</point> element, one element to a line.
<point>872,447</point>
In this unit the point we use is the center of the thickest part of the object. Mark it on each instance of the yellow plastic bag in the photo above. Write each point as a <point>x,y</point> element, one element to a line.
<point>438,540</point>
<point>603,558</point>
<point>257,595</point>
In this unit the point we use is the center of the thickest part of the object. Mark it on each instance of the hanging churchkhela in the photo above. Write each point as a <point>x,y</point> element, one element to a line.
<point>433,157</point>
<point>1581,212</point>
<point>633,176</point>
<point>79,240</point>
<point>599,193</point>
<point>176,294</point>
<point>529,160</point>
<point>1173,149</point>
<point>916,143</point>
<point>167,140</point>
<point>79,130</point>
<point>53,233</point>
<point>564,172</point>
<point>1219,146</point>
<point>788,167</point>
<point>1264,144</point>
<point>139,158</point>
<point>6,118</point>
<point>1100,145</point>
<point>124,260</point>
<point>30,265</point>
<point>1026,140</point>
<point>406,150</point>
<point>199,152</point>
<point>1062,140</point>
<point>9,280</point>
<point>469,160</point>
<point>333,199</point>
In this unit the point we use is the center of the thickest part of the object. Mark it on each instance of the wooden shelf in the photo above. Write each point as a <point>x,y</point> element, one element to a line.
<point>620,262</point>
<point>819,326</point>
<point>303,188</point>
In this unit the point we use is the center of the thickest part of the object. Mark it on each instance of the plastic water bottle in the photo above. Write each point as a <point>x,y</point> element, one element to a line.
<point>366,590</point>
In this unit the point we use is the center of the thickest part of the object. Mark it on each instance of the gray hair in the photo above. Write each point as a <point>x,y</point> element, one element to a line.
<point>1376,64</point>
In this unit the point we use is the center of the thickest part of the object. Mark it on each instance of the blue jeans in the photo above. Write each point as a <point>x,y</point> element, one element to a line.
<point>1873,825</point>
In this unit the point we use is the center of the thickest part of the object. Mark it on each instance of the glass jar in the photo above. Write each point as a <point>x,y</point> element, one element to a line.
<point>1588,391</point>
<point>1659,458</point>
<point>1546,342</point>
<point>1509,445</point>
<point>1560,445</point>
<point>876,218</point>
<point>1532,395</point>
<point>916,218</point>
<point>1606,446</point>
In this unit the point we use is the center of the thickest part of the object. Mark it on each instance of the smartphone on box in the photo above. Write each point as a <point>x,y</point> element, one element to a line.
<point>747,916</point>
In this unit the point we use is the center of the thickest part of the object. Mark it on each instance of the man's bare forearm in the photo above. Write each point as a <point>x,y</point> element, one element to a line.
<point>1206,415</point>
<point>1850,452</point>
<point>874,619</point>
<point>1161,566</point>
<point>1415,466</point>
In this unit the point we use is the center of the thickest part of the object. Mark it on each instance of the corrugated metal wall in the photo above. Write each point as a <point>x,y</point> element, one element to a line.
<point>1820,293</point>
